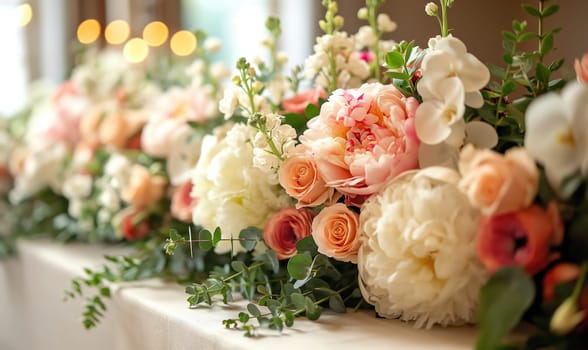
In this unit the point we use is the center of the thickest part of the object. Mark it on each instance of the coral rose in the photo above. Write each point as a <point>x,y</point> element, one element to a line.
<point>298,103</point>
<point>581,68</point>
<point>521,238</point>
<point>135,226</point>
<point>362,138</point>
<point>498,184</point>
<point>286,227</point>
<point>335,231</point>
<point>300,178</point>
<point>182,203</point>
<point>143,189</point>
<point>560,273</point>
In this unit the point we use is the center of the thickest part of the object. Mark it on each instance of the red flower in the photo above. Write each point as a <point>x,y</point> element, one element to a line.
<point>135,226</point>
<point>560,273</point>
<point>521,238</point>
<point>286,227</point>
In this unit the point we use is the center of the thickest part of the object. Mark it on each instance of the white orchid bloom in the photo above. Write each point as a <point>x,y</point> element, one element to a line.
<point>557,132</point>
<point>443,106</point>
<point>449,58</point>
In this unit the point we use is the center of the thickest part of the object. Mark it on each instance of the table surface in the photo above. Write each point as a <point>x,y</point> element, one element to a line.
<point>154,315</point>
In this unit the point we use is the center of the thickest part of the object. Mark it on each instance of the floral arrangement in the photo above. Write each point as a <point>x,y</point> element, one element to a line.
<point>416,181</point>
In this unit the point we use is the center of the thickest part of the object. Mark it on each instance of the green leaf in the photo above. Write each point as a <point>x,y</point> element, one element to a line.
<point>532,11</point>
<point>248,237</point>
<point>551,10</point>
<point>542,73</point>
<point>205,240</point>
<point>547,44</point>
<point>296,121</point>
<point>299,266</point>
<point>238,266</point>
<point>394,60</point>
<point>243,317</point>
<point>398,75</point>
<point>408,51</point>
<point>507,58</point>
<point>527,36</point>
<point>503,301</point>
<point>216,236</point>
<point>253,310</point>
<point>509,36</point>
<point>105,292</point>
<point>508,87</point>
<point>311,111</point>
<point>298,300</point>
<point>307,244</point>
<point>336,304</point>
<point>313,312</point>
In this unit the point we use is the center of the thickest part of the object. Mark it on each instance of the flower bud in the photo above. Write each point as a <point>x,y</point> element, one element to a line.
<point>432,9</point>
<point>362,13</point>
<point>323,25</point>
<point>338,21</point>
<point>236,80</point>
<point>566,317</point>
<point>251,72</point>
<point>257,86</point>
<point>282,57</point>
<point>450,3</point>
<point>333,7</point>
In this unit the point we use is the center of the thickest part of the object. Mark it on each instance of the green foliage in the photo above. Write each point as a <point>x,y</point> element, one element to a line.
<point>503,301</point>
<point>403,62</point>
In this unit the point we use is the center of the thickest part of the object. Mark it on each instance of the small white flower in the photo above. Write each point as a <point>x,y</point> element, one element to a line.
<point>557,132</point>
<point>77,186</point>
<point>431,9</point>
<point>365,37</point>
<point>229,102</point>
<point>212,44</point>
<point>362,13</point>
<point>385,24</point>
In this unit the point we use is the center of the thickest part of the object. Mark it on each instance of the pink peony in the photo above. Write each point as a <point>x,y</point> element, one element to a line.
<point>363,138</point>
<point>336,232</point>
<point>521,238</point>
<point>68,107</point>
<point>182,204</point>
<point>300,178</point>
<point>286,227</point>
<point>581,68</point>
<point>299,102</point>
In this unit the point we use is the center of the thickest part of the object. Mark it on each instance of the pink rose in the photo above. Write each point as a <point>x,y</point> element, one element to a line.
<point>363,138</point>
<point>143,188</point>
<point>301,179</point>
<point>286,227</point>
<point>182,204</point>
<point>335,231</point>
<point>298,103</point>
<point>581,68</point>
<point>521,238</point>
<point>498,184</point>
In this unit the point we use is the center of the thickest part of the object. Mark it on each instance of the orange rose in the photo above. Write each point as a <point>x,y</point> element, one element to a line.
<point>498,184</point>
<point>522,238</point>
<point>581,68</point>
<point>286,227</point>
<point>300,177</point>
<point>143,189</point>
<point>182,203</point>
<point>298,103</point>
<point>335,231</point>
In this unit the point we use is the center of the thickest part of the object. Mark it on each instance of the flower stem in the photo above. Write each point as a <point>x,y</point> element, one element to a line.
<point>373,23</point>
<point>444,24</point>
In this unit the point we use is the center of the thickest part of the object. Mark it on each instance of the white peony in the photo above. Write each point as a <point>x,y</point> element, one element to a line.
<point>232,194</point>
<point>417,261</point>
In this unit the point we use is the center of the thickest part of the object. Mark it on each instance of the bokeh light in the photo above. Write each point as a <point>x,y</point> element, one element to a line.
<point>88,31</point>
<point>183,43</point>
<point>25,14</point>
<point>136,50</point>
<point>117,32</point>
<point>155,33</point>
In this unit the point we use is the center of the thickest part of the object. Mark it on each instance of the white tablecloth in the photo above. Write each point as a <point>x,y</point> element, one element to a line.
<point>154,315</point>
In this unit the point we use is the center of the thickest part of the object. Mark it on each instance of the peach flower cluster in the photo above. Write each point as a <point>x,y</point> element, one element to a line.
<point>362,138</point>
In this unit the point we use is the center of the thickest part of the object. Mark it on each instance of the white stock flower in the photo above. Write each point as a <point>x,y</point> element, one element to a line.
<point>417,260</point>
<point>229,101</point>
<point>385,24</point>
<point>557,132</point>
<point>232,194</point>
<point>365,37</point>
<point>431,9</point>
<point>77,186</point>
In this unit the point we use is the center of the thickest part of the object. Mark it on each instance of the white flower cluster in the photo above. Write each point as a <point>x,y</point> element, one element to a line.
<point>232,193</point>
<point>77,188</point>
<point>235,97</point>
<point>418,260</point>
<point>116,175</point>
<point>451,79</point>
<point>283,137</point>
<point>351,70</point>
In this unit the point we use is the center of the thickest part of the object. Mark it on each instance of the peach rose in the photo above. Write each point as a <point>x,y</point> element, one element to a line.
<point>113,130</point>
<point>335,231</point>
<point>300,178</point>
<point>143,189</point>
<point>298,103</point>
<point>521,238</point>
<point>498,184</point>
<point>182,203</point>
<point>581,68</point>
<point>286,227</point>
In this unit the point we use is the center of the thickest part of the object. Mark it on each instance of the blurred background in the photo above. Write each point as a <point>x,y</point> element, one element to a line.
<point>40,38</point>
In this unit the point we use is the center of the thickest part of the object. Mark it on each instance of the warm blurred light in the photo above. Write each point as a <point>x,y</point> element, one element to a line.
<point>183,43</point>
<point>88,31</point>
<point>155,33</point>
<point>136,50</point>
<point>117,32</point>
<point>25,14</point>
